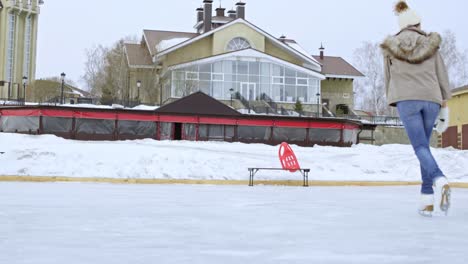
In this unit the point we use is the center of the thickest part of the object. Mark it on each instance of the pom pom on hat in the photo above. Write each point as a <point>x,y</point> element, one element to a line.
<point>401,7</point>
<point>406,16</point>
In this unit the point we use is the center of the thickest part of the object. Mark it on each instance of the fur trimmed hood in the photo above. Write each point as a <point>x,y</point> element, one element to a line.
<point>412,45</point>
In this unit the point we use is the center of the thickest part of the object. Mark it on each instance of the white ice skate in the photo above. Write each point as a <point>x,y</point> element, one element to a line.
<point>426,206</point>
<point>442,194</point>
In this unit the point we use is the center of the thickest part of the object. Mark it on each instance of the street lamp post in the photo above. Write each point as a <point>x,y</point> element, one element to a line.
<point>25,80</point>
<point>318,104</point>
<point>63,83</point>
<point>231,91</point>
<point>138,90</point>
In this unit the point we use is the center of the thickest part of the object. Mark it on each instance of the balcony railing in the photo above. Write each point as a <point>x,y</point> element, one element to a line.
<point>376,120</point>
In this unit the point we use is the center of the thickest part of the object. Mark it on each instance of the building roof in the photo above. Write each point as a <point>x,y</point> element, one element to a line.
<point>308,59</point>
<point>293,44</point>
<point>138,55</point>
<point>154,37</point>
<point>461,90</point>
<point>337,66</point>
<point>221,19</point>
<point>55,85</point>
<point>198,104</point>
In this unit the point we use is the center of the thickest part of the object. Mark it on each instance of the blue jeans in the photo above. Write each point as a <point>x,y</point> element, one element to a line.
<point>419,118</point>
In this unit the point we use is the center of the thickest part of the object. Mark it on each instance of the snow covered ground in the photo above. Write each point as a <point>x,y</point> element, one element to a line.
<point>55,223</point>
<point>149,159</point>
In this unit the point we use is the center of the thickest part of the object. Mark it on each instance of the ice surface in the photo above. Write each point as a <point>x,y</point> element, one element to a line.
<point>103,223</point>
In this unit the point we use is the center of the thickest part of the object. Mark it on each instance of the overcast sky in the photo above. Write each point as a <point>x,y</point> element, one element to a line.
<point>67,28</point>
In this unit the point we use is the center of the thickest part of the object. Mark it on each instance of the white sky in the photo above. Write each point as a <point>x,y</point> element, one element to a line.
<point>67,28</point>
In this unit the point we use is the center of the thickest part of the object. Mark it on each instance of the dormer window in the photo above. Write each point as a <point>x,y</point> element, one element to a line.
<point>238,44</point>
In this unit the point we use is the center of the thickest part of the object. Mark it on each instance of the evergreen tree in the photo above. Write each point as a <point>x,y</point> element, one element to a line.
<point>298,107</point>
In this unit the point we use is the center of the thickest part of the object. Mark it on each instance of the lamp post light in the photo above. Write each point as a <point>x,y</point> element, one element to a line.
<point>62,76</point>
<point>318,104</point>
<point>25,80</point>
<point>231,91</point>
<point>138,90</point>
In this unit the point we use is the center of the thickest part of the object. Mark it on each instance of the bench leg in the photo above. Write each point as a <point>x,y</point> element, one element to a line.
<point>251,178</point>
<point>306,178</point>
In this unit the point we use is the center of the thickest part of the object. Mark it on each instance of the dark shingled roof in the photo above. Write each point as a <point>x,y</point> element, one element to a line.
<point>154,37</point>
<point>198,104</point>
<point>138,55</point>
<point>337,66</point>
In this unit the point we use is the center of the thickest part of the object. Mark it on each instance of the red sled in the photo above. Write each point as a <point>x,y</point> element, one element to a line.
<point>288,158</point>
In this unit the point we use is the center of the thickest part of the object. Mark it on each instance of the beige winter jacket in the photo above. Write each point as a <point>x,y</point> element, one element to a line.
<point>414,69</point>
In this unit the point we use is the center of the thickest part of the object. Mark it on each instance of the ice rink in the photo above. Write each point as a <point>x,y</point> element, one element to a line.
<point>52,223</point>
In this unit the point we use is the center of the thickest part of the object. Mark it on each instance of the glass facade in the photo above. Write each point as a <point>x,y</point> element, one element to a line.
<point>27,46</point>
<point>11,47</point>
<point>250,78</point>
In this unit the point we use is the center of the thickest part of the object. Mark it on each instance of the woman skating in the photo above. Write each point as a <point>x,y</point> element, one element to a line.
<point>417,84</point>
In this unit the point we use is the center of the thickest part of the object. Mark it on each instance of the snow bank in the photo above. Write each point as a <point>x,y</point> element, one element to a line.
<point>149,159</point>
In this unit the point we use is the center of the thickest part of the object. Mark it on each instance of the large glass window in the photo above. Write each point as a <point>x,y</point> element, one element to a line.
<point>289,134</point>
<point>317,135</point>
<point>190,132</point>
<point>137,128</point>
<point>166,131</point>
<point>19,124</point>
<point>56,124</point>
<point>216,132</point>
<point>27,46</point>
<point>95,126</point>
<point>11,47</point>
<point>280,83</point>
<point>254,133</point>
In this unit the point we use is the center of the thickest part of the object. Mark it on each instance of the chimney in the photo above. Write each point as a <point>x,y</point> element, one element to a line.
<point>199,14</point>
<point>208,14</point>
<point>240,8</point>
<point>232,14</point>
<point>322,51</point>
<point>220,11</point>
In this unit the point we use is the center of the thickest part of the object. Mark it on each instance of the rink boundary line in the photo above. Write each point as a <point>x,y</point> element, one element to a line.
<point>213,182</point>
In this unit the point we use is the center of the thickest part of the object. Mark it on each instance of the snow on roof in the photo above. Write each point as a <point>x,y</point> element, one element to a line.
<point>169,43</point>
<point>301,50</point>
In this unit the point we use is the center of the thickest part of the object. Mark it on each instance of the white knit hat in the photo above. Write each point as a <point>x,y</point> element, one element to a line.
<point>406,16</point>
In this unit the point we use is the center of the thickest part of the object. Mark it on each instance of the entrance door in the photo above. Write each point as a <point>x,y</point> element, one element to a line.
<point>248,91</point>
<point>177,131</point>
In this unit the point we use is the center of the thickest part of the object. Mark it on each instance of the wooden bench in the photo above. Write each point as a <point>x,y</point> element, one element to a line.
<point>253,171</point>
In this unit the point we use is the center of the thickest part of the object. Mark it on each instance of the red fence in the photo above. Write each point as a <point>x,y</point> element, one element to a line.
<point>111,124</point>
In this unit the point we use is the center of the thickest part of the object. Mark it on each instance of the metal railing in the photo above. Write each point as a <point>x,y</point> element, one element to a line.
<point>270,102</point>
<point>375,120</point>
<point>244,101</point>
<point>12,102</point>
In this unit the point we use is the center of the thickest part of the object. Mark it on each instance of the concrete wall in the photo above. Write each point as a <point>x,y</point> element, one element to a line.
<point>394,135</point>
<point>335,89</point>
